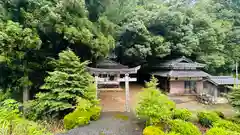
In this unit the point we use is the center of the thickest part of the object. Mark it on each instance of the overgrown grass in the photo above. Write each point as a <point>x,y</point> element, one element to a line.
<point>54,126</point>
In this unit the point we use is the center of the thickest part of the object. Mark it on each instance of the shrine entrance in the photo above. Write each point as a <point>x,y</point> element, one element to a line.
<point>108,77</point>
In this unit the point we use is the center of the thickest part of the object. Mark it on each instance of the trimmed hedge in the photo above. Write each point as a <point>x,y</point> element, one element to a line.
<point>95,113</point>
<point>153,130</point>
<point>220,131</point>
<point>183,127</point>
<point>76,118</point>
<point>183,114</point>
<point>227,125</point>
<point>82,115</point>
<point>207,118</point>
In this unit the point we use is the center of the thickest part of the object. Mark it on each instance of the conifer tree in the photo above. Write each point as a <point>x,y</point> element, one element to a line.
<point>234,98</point>
<point>62,87</point>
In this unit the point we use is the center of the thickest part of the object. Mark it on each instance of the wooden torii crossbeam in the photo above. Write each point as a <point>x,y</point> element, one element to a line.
<point>126,71</point>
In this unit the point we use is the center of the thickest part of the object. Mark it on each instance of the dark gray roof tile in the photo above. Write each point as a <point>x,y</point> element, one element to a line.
<point>181,73</point>
<point>223,80</point>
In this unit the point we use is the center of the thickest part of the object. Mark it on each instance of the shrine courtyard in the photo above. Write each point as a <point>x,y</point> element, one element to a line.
<point>114,101</point>
<point>115,121</point>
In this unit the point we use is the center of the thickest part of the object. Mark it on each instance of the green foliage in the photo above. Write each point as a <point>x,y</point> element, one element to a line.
<point>12,123</point>
<point>227,125</point>
<point>16,43</point>
<point>234,98</point>
<point>152,130</point>
<point>220,114</point>
<point>95,112</point>
<point>173,133</point>
<point>63,87</point>
<point>76,118</point>
<point>183,114</point>
<point>234,119</point>
<point>153,83</point>
<point>207,118</point>
<point>183,127</point>
<point>85,111</point>
<point>10,104</point>
<point>154,29</point>
<point>154,105</point>
<point>34,31</point>
<point>220,131</point>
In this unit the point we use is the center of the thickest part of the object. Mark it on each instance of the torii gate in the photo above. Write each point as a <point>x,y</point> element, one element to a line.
<point>116,71</point>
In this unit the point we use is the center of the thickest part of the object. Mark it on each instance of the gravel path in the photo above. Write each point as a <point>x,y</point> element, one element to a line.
<point>110,124</point>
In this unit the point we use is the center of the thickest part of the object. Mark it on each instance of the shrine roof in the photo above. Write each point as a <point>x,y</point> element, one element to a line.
<point>181,73</point>
<point>110,64</point>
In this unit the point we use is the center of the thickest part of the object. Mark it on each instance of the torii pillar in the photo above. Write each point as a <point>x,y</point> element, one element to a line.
<point>127,93</point>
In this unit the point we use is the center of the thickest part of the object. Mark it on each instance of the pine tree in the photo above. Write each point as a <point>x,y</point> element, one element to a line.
<point>63,87</point>
<point>234,98</point>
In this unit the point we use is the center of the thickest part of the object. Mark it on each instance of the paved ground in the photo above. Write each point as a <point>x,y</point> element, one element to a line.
<point>111,123</point>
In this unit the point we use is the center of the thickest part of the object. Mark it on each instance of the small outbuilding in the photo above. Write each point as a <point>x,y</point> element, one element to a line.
<point>219,86</point>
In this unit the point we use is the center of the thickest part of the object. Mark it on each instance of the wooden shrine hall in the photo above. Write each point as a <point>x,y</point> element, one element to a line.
<point>109,74</point>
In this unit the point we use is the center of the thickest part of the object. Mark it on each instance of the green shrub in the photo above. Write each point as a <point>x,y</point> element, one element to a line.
<point>153,105</point>
<point>12,123</point>
<point>183,114</point>
<point>220,131</point>
<point>207,118</point>
<point>82,115</point>
<point>152,130</point>
<point>25,127</point>
<point>235,119</point>
<point>173,133</point>
<point>76,118</point>
<point>183,127</point>
<point>95,112</point>
<point>228,125</point>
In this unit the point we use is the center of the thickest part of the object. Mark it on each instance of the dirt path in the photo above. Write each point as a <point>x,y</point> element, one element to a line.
<point>115,100</point>
<point>111,123</point>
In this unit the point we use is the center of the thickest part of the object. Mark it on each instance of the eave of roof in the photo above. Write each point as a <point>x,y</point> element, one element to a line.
<point>223,80</point>
<point>109,64</point>
<point>181,73</point>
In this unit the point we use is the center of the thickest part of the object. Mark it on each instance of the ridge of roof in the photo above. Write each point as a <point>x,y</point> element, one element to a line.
<point>108,64</point>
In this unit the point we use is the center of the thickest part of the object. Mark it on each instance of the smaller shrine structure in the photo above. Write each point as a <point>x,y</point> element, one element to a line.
<point>109,73</point>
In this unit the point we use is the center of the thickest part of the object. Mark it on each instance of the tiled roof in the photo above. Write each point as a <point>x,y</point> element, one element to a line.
<point>181,73</point>
<point>109,64</point>
<point>223,80</point>
<point>179,63</point>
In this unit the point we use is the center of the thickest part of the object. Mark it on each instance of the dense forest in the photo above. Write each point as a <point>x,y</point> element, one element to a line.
<point>45,46</point>
<point>33,32</point>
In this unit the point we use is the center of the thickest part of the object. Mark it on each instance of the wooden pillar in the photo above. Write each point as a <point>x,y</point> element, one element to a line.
<point>127,92</point>
<point>96,83</point>
<point>117,78</point>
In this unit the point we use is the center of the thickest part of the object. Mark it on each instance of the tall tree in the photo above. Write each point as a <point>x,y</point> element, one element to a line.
<point>62,87</point>
<point>16,44</point>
